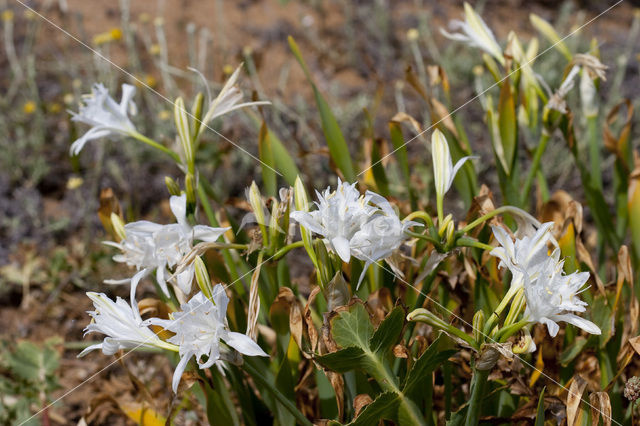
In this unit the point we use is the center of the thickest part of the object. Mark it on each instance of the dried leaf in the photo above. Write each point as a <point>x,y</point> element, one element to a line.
<point>574,396</point>
<point>361,401</point>
<point>600,406</point>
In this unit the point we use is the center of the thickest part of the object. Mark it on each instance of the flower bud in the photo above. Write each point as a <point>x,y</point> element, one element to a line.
<point>255,200</point>
<point>172,186</point>
<point>478,325</point>
<point>202,278</point>
<point>118,226</point>
<point>190,187</point>
<point>448,220</point>
<point>196,112</point>
<point>184,133</point>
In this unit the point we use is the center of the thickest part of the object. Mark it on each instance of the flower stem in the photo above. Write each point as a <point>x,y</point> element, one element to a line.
<point>477,391</point>
<point>420,215</point>
<point>286,403</point>
<point>156,145</point>
<point>286,249</point>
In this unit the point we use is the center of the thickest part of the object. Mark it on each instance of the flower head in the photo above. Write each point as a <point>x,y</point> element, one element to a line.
<point>106,117</point>
<point>340,215</point>
<point>153,247</point>
<point>475,33</point>
<point>552,296</point>
<point>443,169</point>
<point>122,325</point>
<point>198,329</point>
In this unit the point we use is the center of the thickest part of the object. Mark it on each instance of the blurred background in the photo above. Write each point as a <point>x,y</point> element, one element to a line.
<point>360,53</point>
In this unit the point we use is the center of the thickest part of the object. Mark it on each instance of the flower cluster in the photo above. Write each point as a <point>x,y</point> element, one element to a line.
<point>550,295</point>
<point>153,247</point>
<point>363,226</point>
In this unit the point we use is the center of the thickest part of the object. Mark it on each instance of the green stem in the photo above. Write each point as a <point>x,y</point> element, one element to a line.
<point>286,403</point>
<point>420,215</point>
<point>478,383</point>
<point>594,151</point>
<point>286,249</point>
<point>423,237</point>
<point>537,157</point>
<point>510,330</point>
<point>156,145</point>
<point>467,242</point>
<point>439,202</point>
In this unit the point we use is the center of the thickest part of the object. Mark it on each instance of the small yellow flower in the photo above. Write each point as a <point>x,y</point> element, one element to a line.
<point>412,34</point>
<point>74,182</point>
<point>29,14</point>
<point>29,107</point>
<point>227,69</point>
<point>144,18</point>
<point>154,49</point>
<point>68,99</point>
<point>115,33</point>
<point>164,115</point>
<point>150,80</point>
<point>7,15</point>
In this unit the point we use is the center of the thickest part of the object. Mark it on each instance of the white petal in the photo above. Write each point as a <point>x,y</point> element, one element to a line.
<point>89,349</point>
<point>341,246</point>
<point>207,233</point>
<point>364,272</point>
<point>128,91</point>
<point>459,164</point>
<point>179,208</point>
<point>441,162</point>
<point>177,374</point>
<point>552,326</point>
<point>582,323</point>
<point>243,344</point>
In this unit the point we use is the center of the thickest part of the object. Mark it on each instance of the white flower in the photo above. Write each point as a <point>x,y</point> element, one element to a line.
<point>106,117</point>
<point>150,246</point>
<point>443,169</point>
<point>198,330</point>
<point>552,296</point>
<point>122,325</point>
<point>340,215</point>
<point>527,255</point>
<point>475,33</point>
<point>380,236</point>
<point>228,100</point>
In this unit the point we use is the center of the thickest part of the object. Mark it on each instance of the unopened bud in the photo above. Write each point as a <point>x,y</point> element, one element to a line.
<point>202,278</point>
<point>184,132</point>
<point>300,196</point>
<point>255,200</point>
<point>478,325</point>
<point>448,221</point>
<point>118,226</point>
<point>196,112</point>
<point>172,186</point>
<point>190,187</point>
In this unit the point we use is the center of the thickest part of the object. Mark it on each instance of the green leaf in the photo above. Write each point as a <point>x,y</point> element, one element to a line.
<point>385,406</point>
<point>540,410</point>
<point>352,328</point>
<point>377,169</point>
<point>283,160</point>
<point>409,414</point>
<point>603,318</point>
<point>572,351</point>
<point>337,145</point>
<point>265,152</point>
<point>388,332</point>
<point>507,124</point>
<point>429,361</point>
<point>33,363</point>
<point>220,409</point>
<point>343,360</point>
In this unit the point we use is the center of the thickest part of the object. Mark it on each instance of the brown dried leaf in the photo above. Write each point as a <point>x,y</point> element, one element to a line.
<point>361,401</point>
<point>310,326</point>
<point>574,396</point>
<point>400,351</point>
<point>403,117</point>
<point>600,406</point>
<point>585,257</point>
<point>337,383</point>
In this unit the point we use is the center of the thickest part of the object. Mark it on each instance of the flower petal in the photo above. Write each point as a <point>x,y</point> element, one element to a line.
<point>341,246</point>
<point>243,344</point>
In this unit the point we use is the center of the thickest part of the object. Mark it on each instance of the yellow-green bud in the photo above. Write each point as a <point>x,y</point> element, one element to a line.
<point>478,325</point>
<point>172,186</point>
<point>118,226</point>
<point>202,278</point>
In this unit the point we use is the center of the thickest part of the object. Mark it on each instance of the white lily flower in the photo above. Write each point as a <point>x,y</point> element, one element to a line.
<point>380,236</point>
<point>527,255</point>
<point>198,329</point>
<point>122,325</point>
<point>552,296</point>
<point>153,247</point>
<point>228,100</point>
<point>475,33</point>
<point>443,169</point>
<point>106,117</point>
<point>340,215</point>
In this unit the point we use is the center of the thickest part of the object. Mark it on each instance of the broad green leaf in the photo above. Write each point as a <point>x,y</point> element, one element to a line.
<point>507,124</point>
<point>265,152</point>
<point>603,318</point>
<point>337,145</point>
<point>352,327</point>
<point>377,169</point>
<point>285,384</point>
<point>409,414</point>
<point>344,360</point>
<point>540,410</point>
<point>388,332</point>
<point>385,406</point>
